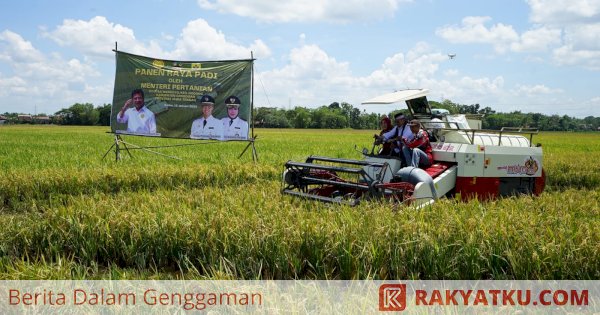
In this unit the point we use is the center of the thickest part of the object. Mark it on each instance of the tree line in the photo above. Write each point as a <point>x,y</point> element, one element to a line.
<point>494,120</point>
<point>333,116</point>
<point>78,114</point>
<point>343,115</point>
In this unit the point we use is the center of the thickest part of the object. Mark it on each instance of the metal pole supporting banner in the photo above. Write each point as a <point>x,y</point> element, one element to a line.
<point>252,92</point>
<point>117,146</point>
<point>250,144</point>
<point>253,136</point>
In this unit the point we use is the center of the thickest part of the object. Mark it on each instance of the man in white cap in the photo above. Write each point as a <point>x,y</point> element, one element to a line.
<point>235,127</point>
<point>207,126</point>
<point>400,131</point>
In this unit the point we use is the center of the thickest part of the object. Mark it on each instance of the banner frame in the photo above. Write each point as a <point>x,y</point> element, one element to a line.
<point>120,144</point>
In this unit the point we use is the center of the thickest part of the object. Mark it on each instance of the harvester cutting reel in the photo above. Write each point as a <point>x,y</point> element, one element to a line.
<point>343,181</point>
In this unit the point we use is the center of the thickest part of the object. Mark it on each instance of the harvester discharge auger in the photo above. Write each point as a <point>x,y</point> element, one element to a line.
<point>468,162</point>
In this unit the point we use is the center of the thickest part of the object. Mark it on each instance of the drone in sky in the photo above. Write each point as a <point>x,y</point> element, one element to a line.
<point>451,56</point>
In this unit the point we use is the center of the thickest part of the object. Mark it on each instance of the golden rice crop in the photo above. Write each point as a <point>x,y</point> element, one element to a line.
<point>68,214</point>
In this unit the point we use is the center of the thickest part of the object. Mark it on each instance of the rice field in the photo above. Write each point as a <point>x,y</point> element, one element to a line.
<point>68,214</point>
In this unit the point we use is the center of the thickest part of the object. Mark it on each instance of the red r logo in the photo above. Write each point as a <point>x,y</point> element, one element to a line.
<point>392,297</point>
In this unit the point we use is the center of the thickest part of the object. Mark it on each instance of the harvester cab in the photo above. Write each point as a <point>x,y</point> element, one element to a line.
<point>468,162</point>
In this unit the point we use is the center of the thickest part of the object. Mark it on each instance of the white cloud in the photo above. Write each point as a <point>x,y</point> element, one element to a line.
<point>28,62</point>
<point>584,36</point>
<point>408,70</point>
<point>581,46</point>
<point>502,37</point>
<point>564,11</point>
<point>302,11</point>
<point>97,37</point>
<point>13,48</point>
<point>568,29</point>
<point>539,39</point>
<point>198,38</point>
<point>468,90</point>
<point>536,90</point>
<point>66,81</point>
<point>12,85</point>
<point>53,76</point>
<point>473,30</point>
<point>310,77</point>
<point>567,55</point>
<point>451,73</point>
<point>302,39</point>
<point>578,20</point>
<point>37,76</point>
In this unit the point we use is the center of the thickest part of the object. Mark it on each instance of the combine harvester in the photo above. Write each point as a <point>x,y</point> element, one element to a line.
<point>468,163</point>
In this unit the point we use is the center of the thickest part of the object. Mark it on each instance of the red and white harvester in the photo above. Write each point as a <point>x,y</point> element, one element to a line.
<point>469,162</point>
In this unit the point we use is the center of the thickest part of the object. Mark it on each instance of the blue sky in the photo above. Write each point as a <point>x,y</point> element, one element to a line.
<point>530,55</point>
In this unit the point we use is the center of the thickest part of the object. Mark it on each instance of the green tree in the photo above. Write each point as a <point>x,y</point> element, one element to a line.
<point>369,121</point>
<point>302,119</point>
<point>79,114</point>
<point>352,115</point>
<point>104,114</point>
<point>334,105</point>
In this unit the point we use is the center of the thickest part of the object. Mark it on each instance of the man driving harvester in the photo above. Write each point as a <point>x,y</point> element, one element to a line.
<point>395,136</point>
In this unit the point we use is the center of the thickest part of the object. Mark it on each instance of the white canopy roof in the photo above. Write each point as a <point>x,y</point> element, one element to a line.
<point>398,96</point>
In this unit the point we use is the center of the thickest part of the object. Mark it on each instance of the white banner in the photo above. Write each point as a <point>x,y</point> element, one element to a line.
<point>299,297</point>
